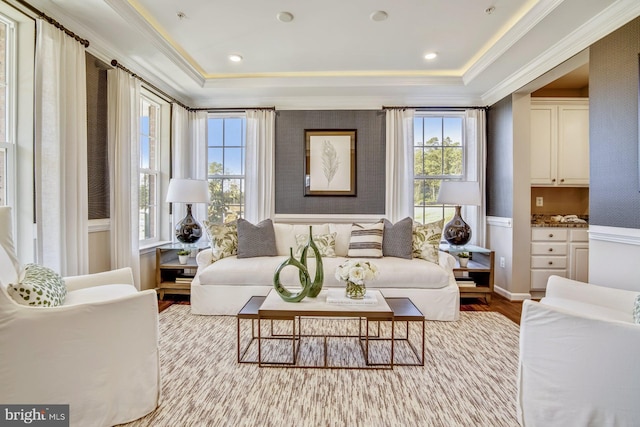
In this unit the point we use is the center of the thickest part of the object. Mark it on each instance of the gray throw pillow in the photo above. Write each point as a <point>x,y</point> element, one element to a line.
<point>398,239</point>
<point>256,240</point>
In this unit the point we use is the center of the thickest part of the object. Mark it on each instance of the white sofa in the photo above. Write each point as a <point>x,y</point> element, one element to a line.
<point>223,286</point>
<point>578,363</point>
<point>97,353</point>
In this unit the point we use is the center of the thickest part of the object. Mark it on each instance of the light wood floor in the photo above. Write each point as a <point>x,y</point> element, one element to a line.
<point>510,309</point>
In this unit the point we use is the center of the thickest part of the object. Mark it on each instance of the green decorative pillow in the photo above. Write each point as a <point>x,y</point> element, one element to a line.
<point>636,310</point>
<point>326,244</point>
<point>224,238</point>
<point>426,241</point>
<point>39,286</point>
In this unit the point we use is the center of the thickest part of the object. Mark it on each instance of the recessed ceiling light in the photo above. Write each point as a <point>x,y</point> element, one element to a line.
<point>430,55</point>
<point>285,17</point>
<point>235,57</point>
<point>379,15</point>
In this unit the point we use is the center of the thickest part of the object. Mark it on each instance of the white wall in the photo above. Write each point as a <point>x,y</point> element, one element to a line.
<point>613,257</point>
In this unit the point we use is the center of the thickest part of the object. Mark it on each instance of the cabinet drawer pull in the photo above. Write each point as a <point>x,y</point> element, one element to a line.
<point>550,234</point>
<point>550,262</point>
<point>562,180</point>
<point>553,180</point>
<point>550,249</point>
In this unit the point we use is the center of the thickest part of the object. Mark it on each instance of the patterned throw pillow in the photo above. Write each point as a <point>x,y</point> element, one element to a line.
<point>426,241</point>
<point>224,238</point>
<point>256,240</point>
<point>398,239</point>
<point>636,310</point>
<point>366,240</point>
<point>326,244</point>
<point>39,286</point>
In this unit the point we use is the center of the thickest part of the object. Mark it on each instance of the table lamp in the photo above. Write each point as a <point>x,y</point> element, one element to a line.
<point>188,191</point>
<point>458,193</point>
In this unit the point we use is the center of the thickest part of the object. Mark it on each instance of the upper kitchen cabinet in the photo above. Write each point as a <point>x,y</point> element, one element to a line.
<point>560,142</point>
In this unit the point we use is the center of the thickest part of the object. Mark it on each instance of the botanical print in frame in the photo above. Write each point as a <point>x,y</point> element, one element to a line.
<point>330,163</point>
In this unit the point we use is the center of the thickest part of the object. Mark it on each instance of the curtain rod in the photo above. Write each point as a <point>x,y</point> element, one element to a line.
<point>234,109</point>
<point>55,23</point>
<point>115,63</point>
<point>385,107</point>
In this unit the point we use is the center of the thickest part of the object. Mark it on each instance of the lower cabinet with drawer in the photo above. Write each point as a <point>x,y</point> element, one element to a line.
<point>558,251</point>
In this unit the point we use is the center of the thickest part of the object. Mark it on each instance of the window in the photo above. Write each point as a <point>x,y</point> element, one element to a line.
<point>149,194</point>
<point>6,132</point>
<point>226,169</point>
<point>438,154</point>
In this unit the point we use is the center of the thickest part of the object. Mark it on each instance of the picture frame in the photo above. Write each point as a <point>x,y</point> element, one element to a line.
<point>330,162</point>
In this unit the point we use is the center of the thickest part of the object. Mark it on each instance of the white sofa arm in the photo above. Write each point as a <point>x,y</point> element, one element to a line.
<point>576,370</point>
<point>616,299</point>
<point>204,258</point>
<point>122,276</point>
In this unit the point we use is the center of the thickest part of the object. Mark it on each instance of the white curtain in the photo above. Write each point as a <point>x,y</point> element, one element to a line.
<point>260,165</point>
<point>189,155</point>
<point>399,166</point>
<point>61,152</point>
<point>123,100</point>
<point>475,167</point>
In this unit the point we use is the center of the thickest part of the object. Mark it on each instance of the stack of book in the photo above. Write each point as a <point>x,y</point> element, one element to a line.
<point>187,279</point>
<point>465,281</point>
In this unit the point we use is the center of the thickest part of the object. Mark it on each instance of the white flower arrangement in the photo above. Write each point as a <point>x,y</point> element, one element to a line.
<point>357,271</point>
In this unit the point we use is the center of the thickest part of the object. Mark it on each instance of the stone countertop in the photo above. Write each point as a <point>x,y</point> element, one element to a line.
<point>542,220</point>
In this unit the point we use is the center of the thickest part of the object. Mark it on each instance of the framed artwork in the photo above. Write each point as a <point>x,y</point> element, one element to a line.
<point>330,163</point>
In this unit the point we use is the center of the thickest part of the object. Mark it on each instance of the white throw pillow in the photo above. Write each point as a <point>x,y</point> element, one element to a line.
<point>38,286</point>
<point>366,240</point>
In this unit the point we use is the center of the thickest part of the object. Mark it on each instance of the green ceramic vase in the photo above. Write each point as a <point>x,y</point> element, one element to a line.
<point>305,281</point>
<point>318,280</point>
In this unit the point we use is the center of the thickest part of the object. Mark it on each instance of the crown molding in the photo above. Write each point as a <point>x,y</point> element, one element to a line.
<point>131,15</point>
<point>593,30</point>
<point>536,14</point>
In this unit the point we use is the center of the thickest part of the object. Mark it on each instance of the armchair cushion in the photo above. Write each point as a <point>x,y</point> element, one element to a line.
<point>99,294</point>
<point>39,286</point>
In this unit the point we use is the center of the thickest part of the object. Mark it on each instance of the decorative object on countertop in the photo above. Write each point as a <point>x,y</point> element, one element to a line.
<point>305,281</point>
<point>316,286</point>
<point>188,191</point>
<point>463,259</point>
<point>356,273</point>
<point>457,193</point>
<point>551,220</point>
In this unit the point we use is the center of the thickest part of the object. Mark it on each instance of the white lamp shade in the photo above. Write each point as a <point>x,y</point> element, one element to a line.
<point>459,193</point>
<point>188,191</point>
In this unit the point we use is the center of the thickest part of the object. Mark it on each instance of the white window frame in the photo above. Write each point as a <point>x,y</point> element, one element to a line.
<point>242,177</point>
<point>7,194</point>
<point>447,210</point>
<point>160,170</point>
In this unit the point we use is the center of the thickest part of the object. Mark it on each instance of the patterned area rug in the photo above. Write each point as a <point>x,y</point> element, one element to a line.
<point>469,379</point>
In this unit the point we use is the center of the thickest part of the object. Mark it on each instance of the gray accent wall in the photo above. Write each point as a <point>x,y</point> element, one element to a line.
<point>500,159</point>
<point>613,129</point>
<point>370,162</point>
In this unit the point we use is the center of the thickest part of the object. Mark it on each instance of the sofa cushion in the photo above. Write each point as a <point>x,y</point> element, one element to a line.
<point>256,240</point>
<point>426,240</point>
<point>38,286</point>
<point>326,244</point>
<point>224,238</point>
<point>366,240</point>
<point>343,235</point>
<point>397,241</point>
<point>636,310</point>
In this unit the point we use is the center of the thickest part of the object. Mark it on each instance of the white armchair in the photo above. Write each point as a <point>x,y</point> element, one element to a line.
<point>579,357</point>
<point>98,352</point>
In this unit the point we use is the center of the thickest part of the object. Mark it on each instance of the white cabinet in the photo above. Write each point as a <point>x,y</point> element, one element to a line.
<point>560,142</point>
<point>558,251</point>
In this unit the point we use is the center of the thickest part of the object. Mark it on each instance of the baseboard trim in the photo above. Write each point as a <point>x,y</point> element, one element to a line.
<point>510,295</point>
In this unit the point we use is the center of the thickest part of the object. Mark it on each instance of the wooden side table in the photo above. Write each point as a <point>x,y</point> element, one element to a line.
<point>171,276</point>
<point>478,274</point>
